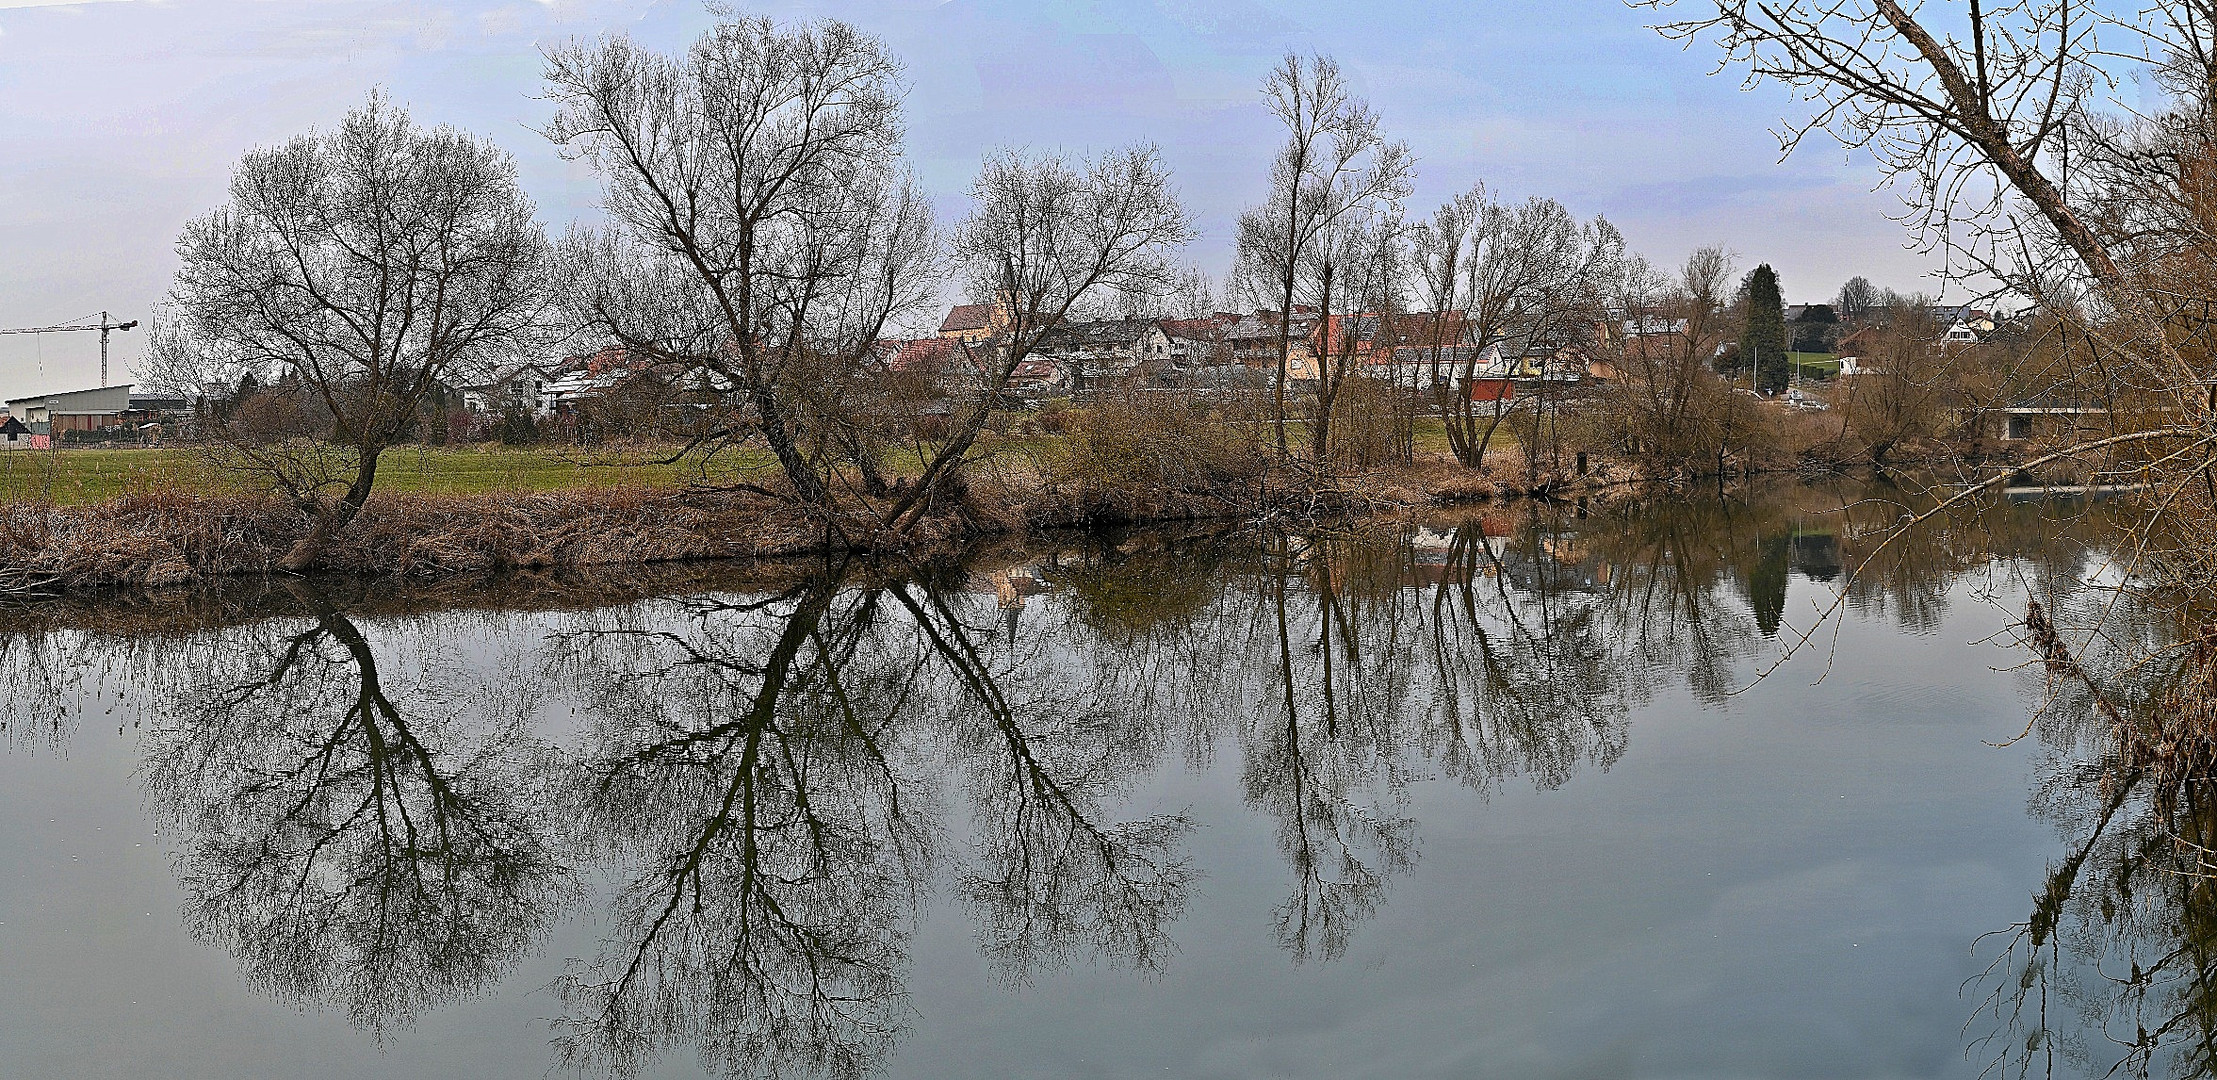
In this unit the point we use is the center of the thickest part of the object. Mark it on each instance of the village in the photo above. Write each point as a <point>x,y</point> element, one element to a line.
<point>901,540</point>
<point>612,392</point>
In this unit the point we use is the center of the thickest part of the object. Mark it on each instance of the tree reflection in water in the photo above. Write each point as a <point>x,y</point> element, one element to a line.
<point>778,779</point>
<point>767,772</point>
<point>2114,970</point>
<point>743,771</point>
<point>376,850</point>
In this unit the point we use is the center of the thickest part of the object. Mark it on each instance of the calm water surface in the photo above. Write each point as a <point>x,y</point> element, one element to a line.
<point>1495,797</point>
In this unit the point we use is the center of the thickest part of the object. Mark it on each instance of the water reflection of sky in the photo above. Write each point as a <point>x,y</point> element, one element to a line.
<point>1784,882</point>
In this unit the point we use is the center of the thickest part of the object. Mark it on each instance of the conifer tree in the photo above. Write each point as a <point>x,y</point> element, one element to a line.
<point>1764,343</point>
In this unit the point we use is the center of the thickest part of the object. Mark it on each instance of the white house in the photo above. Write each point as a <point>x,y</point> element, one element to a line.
<point>521,385</point>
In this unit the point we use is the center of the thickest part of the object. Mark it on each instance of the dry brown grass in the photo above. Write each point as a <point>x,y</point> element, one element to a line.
<point>156,540</point>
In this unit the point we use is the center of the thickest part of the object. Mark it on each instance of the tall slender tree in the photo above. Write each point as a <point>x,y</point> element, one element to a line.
<point>1764,342</point>
<point>1335,163</point>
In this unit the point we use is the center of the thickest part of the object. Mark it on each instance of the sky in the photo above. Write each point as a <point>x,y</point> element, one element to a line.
<point>120,120</point>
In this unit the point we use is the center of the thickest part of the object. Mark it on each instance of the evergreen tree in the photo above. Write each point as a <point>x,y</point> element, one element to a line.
<point>1766,584</point>
<point>517,427</point>
<point>1764,343</point>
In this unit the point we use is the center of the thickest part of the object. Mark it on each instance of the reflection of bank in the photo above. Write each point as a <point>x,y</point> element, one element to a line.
<point>1442,556</point>
<point>1487,547</point>
<point>1556,560</point>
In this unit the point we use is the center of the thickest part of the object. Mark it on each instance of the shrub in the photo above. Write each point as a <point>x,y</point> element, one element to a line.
<point>516,427</point>
<point>1125,457</point>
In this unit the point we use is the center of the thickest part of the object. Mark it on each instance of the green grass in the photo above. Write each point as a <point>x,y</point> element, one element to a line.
<point>75,477</point>
<point>1815,364</point>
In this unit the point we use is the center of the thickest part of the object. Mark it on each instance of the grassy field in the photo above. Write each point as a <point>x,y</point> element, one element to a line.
<point>76,477</point>
<point>1816,365</point>
<point>73,477</point>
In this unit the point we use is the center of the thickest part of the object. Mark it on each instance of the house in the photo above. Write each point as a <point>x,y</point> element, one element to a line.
<point>614,371</point>
<point>1861,342</point>
<point>1095,353</point>
<point>73,410</point>
<point>2046,414</point>
<point>14,434</point>
<point>1650,326</point>
<point>154,409</point>
<point>520,385</point>
<point>1254,342</point>
<point>975,322</point>
<point>1421,367</point>
<point>1198,343</point>
<point>1041,377</point>
<point>922,354</point>
<point>1371,333</point>
<point>956,369</point>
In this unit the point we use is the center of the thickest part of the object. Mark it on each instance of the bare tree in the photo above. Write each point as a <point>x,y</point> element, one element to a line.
<point>761,229</point>
<point>1353,275</point>
<point>1051,239</point>
<point>1335,162</point>
<point>1986,121</point>
<point>359,270</point>
<point>1909,388</point>
<point>1667,405</point>
<point>1858,299</point>
<point>1516,280</point>
<point>1186,292</point>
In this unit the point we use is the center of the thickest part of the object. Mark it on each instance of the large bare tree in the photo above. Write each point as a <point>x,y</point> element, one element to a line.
<point>761,229</point>
<point>1335,163</point>
<point>1986,115</point>
<point>1504,279</point>
<point>357,271</point>
<point>1048,240</point>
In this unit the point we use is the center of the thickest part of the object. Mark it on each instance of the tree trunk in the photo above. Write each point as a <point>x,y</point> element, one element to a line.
<point>326,520</point>
<point>806,484</point>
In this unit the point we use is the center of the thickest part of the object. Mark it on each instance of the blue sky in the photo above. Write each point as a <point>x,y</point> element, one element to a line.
<point>120,120</point>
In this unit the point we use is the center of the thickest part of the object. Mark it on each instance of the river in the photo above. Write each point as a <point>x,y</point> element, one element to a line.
<point>1513,793</point>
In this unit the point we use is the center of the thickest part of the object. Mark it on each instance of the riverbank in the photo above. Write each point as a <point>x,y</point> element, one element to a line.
<point>161,538</point>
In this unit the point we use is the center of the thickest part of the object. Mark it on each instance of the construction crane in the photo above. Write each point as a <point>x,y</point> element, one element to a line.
<point>104,326</point>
